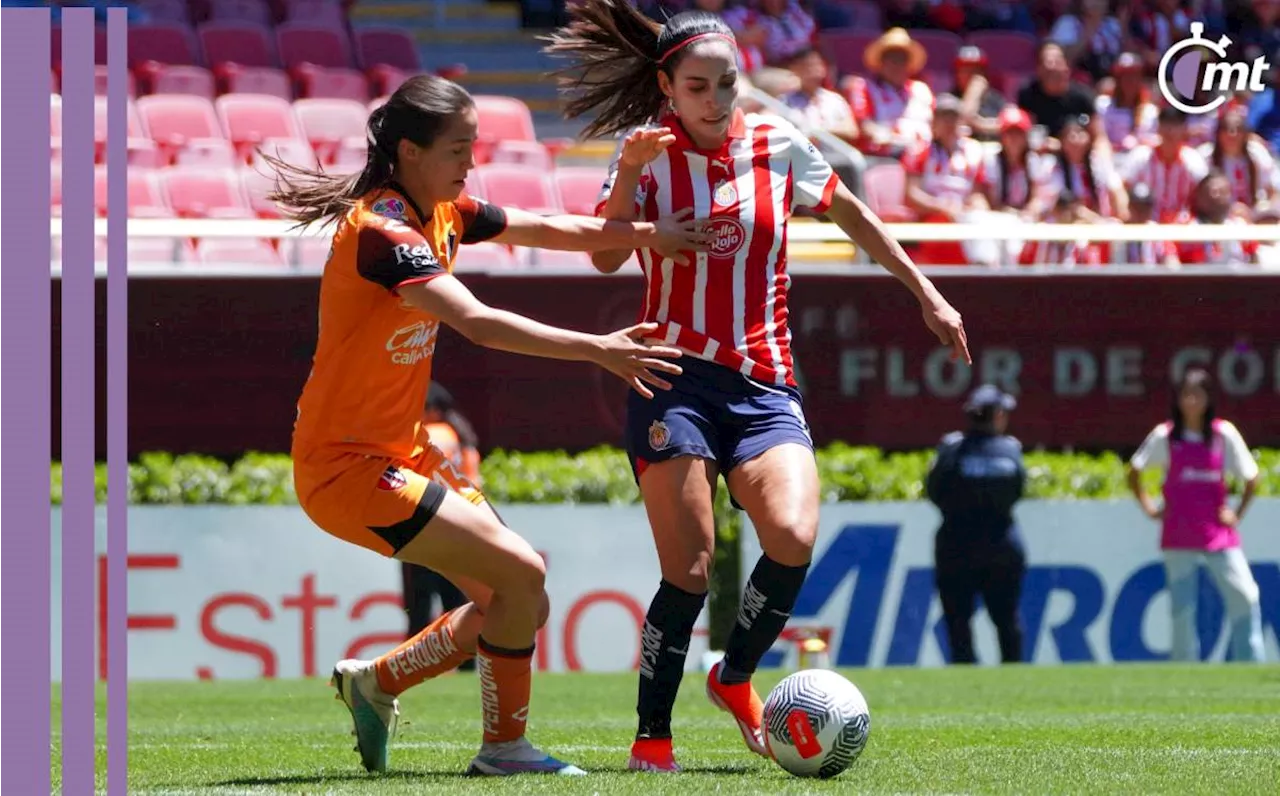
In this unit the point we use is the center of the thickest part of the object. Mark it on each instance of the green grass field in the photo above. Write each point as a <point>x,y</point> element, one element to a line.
<point>1022,730</point>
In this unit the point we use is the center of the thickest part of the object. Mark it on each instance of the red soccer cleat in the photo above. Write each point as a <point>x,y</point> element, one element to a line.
<point>653,754</point>
<point>743,703</point>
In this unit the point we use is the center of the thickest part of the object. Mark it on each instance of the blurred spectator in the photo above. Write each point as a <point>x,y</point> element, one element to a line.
<point>1171,168</point>
<point>893,109</point>
<point>745,23</point>
<point>819,107</point>
<point>1068,209</point>
<point>998,15</point>
<point>1128,115</point>
<point>976,479</point>
<point>1198,451</point>
<point>1142,213</point>
<point>1088,172</point>
<point>1053,97</point>
<point>1212,205</point>
<point>788,29</point>
<point>1090,37</point>
<point>1158,27</point>
<point>1256,29</point>
<point>982,103</point>
<point>1246,162</point>
<point>946,179</point>
<point>1264,109</point>
<point>1016,177</point>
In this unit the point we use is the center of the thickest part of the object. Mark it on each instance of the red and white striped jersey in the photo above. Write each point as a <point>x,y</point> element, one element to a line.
<point>1172,181</point>
<point>1232,252</point>
<point>957,173</point>
<point>1236,168</point>
<point>907,111</point>
<point>729,305</point>
<point>1093,186</point>
<point>1021,183</point>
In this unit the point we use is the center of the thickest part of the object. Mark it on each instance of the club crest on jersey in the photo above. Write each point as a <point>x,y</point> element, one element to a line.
<point>725,194</point>
<point>728,236</point>
<point>390,207</point>
<point>392,480</point>
<point>659,436</point>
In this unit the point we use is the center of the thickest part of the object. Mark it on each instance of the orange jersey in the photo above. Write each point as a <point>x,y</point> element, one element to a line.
<point>372,366</point>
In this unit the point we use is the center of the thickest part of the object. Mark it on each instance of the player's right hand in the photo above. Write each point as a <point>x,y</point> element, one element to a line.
<point>643,146</point>
<point>625,354</point>
<point>680,233</point>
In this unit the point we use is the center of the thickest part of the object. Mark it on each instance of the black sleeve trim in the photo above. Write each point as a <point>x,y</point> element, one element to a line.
<point>489,222</point>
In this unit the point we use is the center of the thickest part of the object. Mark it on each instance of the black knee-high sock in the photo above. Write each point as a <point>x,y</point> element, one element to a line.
<point>664,644</point>
<point>767,601</point>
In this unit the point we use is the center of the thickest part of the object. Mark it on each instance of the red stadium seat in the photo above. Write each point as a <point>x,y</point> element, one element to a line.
<point>387,47</point>
<point>351,155</point>
<point>263,80</point>
<point>483,256</point>
<point>1007,51</point>
<point>291,150</point>
<point>939,45</point>
<point>317,12</point>
<point>940,81</point>
<point>324,83</point>
<point>384,80</point>
<point>253,11</point>
<point>504,119</point>
<point>250,119</point>
<point>166,43</point>
<point>146,195</point>
<point>142,150</point>
<point>326,123</point>
<point>100,82</point>
<point>174,11</point>
<point>206,193</point>
<point>579,188</point>
<point>886,187</point>
<point>258,182</point>
<point>238,251</point>
<point>520,186</point>
<point>240,43</point>
<point>528,153</point>
<point>207,152</point>
<point>844,49</point>
<point>300,43</point>
<point>194,80</point>
<point>99,46</point>
<point>55,189</point>
<point>172,120</point>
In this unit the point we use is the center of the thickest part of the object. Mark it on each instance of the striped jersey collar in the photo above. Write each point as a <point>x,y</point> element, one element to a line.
<point>737,130</point>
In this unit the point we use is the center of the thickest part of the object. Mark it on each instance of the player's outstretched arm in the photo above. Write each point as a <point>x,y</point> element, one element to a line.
<point>622,203</point>
<point>670,236</point>
<point>622,353</point>
<point>857,221</point>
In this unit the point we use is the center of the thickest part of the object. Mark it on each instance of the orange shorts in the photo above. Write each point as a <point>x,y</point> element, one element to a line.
<point>377,502</point>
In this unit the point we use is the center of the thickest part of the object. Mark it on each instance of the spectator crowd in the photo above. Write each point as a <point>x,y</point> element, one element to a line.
<point>987,111</point>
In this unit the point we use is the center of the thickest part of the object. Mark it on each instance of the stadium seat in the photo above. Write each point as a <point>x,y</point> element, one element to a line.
<point>172,120</point>
<point>291,150</point>
<point>55,115</point>
<point>326,123</point>
<point>258,182</point>
<point>504,119</point>
<point>142,151</point>
<point>55,189</point>
<point>940,81</point>
<point>301,43</point>
<point>579,188</point>
<point>886,187</point>
<point>146,195</point>
<point>206,193</point>
<point>166,43</point>
<point>240,43</point>
<point>237,79</point>
<point>351,155</point>
<point>309,252</point>
<point>864,14</point>
<point>528,153</point>
<point>172,11</point>
<point>384,80</point>
<point>194,80</point>
<point>207,152</point>
<point>484,256</point>
<point>939,45</point>
<point>101,84</point>
<point>387,47</point>
<point>1007,51</point>
<point>250,119</point>
<point>520,186</point>
<point>317,12</point>
<point>99,46</point>
<point>252,11</point>
<point>844,49</point>
<point>318,82</point>
<point>238,251</point>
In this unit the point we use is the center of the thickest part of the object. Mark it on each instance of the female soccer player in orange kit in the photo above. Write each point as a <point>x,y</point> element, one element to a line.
<point>735,409</point>
<point>362,471</point>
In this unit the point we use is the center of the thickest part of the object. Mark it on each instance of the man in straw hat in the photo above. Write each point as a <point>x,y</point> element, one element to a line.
<point>894,110</point>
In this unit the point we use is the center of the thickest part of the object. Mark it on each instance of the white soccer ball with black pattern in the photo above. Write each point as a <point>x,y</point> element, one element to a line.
<point>816,723</point>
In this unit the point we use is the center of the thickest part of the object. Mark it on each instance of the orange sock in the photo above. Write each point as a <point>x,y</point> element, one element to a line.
<point>505,680</point>
<point>429,654</point>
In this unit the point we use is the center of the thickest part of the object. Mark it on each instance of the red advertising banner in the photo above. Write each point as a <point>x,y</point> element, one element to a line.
<point>216,365</point>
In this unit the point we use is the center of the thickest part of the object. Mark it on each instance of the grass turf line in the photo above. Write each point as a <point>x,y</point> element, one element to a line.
<point>1021,730</point>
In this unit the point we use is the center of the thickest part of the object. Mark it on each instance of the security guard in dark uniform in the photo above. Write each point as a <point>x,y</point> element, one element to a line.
<point>975,480</point>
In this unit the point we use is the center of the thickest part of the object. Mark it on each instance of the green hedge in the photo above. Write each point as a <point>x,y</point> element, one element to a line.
<point>602,475</point>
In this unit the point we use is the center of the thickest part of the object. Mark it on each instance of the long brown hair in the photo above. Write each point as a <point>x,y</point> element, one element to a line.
<point>618,53</point>
<point>1217,157</point>
<point>418,111</point>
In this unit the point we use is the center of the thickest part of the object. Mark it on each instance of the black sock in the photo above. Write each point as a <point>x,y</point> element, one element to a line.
<point>664,644</point>
<point>766,606</point>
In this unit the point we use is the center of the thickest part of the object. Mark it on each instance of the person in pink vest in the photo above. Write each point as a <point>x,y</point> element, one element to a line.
<point>1198,450</point>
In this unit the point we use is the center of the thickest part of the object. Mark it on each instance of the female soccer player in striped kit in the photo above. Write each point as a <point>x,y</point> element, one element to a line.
<point>735,410</point>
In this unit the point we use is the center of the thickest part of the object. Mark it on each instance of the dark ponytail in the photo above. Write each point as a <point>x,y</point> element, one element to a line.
<point>1192,377</point>
<point>618,53</point>
<point>419,110</point>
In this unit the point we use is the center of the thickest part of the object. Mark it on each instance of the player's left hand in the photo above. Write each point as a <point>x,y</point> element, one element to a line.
<point>944,321</point>
<point>1227,516</point>
<point>679,234</point>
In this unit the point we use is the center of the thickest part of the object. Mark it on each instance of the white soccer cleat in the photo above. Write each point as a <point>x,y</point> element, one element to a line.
<point>518,757</point>
<point>374,712</point>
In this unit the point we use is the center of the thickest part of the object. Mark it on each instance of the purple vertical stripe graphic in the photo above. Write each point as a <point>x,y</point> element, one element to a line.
<point>117,405</point>
<point>26,319</point>
<point>77,402</point>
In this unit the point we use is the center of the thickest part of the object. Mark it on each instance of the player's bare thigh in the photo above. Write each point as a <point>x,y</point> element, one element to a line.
<point>679,498</point>
<point>779,491</point>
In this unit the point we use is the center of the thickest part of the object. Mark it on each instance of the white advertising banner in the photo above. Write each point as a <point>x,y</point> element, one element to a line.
<point>244,592</point>
<point>1094,589</point>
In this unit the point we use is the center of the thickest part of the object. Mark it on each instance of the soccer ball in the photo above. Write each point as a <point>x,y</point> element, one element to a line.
<point>816,723</point>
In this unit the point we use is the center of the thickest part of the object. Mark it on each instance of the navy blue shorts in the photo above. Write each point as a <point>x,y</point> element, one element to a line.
<point>714,413</point>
